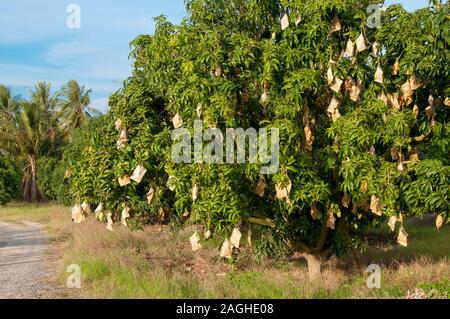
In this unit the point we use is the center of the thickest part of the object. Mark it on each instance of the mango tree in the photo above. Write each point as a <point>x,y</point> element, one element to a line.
<point>362,113</point>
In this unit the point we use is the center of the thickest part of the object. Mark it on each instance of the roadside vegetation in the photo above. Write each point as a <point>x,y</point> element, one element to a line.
<point>363,168</point>
<point>158,263</point>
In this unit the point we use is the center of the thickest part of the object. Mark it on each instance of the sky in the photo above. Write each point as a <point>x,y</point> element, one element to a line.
<point>36,43</point>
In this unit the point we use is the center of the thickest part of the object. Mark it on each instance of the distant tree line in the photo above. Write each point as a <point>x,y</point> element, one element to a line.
<point>33,135</point>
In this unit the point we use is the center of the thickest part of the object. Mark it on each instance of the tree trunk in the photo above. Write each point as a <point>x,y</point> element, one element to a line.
<point>34,187</point>
<point>31,191</point>
<point>26,186</point>
<point>314,266</point>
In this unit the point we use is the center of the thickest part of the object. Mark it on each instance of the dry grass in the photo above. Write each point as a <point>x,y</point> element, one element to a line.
<point>157,263</point>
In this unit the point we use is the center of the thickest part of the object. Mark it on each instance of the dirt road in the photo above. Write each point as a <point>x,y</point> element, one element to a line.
<point>23,267</point>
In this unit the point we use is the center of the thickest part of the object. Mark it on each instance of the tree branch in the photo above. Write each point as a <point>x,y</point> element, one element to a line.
<point>260,221</point>
<point>322,237</point>
<point>342,226</point>
<point>420,138</point>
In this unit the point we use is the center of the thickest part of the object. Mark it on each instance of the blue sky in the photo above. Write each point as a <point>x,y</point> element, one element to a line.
<point>36,44</point>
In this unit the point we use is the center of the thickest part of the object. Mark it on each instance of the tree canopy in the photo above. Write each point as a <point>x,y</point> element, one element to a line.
<point>363,115</point>
<point>37,127</point>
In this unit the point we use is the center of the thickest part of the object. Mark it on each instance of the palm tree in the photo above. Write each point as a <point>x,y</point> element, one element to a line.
<point>75,110</point>
<point>28,129</point>
<point>24,131</point>
<point>48,105</point>
<point>7,102</point>
<point>8,105</point>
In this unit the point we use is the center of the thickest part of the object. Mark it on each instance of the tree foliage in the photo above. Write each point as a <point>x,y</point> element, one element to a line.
<point>9,180</point>
<point>74,106</point>
<point>355,153</point>
<point>33,131</point>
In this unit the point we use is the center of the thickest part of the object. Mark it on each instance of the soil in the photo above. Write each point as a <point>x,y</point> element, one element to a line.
<point>27,264</point>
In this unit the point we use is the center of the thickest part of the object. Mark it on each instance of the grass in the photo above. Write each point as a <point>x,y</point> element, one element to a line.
<point>156,263</point>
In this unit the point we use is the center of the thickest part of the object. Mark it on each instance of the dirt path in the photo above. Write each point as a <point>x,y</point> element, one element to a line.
<point>24,270</point>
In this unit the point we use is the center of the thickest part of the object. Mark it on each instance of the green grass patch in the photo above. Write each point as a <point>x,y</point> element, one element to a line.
<point>423,241</point>
<point>99,278</point>
<point>160,264</point>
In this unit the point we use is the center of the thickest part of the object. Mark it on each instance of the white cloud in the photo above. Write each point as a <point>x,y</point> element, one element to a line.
<point>90,61</point>
<point>24,21</point>
<point>27,75</point>
<point>96,55</point>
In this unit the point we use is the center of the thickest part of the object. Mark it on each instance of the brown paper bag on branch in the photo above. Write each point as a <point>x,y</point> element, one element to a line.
<point>119,125</point>
<point>439,222</point>
<point>99,215</point>
<point>333,109</point>
<point>195,242</point>
<point>414,83</point>
<point>383,97</point>
<point>284,191</point>
<point>330,76</point>
<point>379,75</point>
<point>331,223</point>
<point>195,193</point>
<point>124,181</point>
<point>392,222</point>
<point>314,211</point>
<point>150,196</point>
<point>264,98</point>
<point>139,173</point>
<point>227,249</point>
<point>349,49</point>
<point>346,200</point>
<point>375,48</point>
<point>77,214</point>
<point>260,187</point>
<point>360,43</point>
<point>355,91</point>
<point>309,138</point>
<point>416,110</point>
<point>235,239</point>
<point>393,100</point>
<point>402,238</point>
<point>430,111</point>
<point>395,67</point>
<point>122,142</point>
<point>86,209</point>
<point>447,101</point>
<point>337,85</point>
<point>218,72</point>
<point>284,22</point>
<point>348,84</point>
<point>376,206</point>
<point>125,215</point>
<point>406,90</point>
<point>336,25</point>
<point>177,121</point>
<point>110,223</point>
